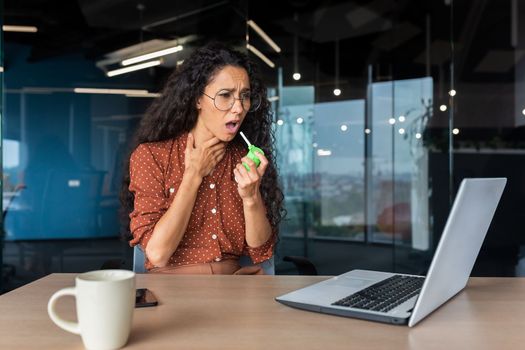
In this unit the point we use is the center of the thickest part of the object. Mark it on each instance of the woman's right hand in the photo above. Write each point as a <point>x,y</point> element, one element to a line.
<point>201,160</point>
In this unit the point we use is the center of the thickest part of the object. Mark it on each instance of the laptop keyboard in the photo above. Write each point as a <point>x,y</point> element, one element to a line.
<point>385,295</point>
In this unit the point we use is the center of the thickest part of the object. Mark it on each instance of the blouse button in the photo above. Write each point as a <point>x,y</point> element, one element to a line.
<point>212,186</point>
<point>217,259</point>
<point>213,211</point>
<point>214,236</point>
<point>172,190</point>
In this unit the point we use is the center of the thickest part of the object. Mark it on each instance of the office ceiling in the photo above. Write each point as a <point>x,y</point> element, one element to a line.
<point>378,31</point>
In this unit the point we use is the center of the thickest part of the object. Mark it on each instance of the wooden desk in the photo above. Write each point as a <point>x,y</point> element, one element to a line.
<point>239,312</point>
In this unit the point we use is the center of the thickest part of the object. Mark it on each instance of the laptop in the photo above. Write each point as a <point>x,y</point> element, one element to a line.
<point>407,299</point>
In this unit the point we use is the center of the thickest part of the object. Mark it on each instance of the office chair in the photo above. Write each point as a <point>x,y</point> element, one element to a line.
<point>304,266</point>
<point>139,259</point>
<point>81,190</point>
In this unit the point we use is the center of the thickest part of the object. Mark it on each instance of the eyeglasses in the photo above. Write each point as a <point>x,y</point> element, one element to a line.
<point>224,101</point>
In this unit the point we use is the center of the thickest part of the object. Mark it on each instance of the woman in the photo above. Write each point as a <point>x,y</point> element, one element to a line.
<point>193,206</point>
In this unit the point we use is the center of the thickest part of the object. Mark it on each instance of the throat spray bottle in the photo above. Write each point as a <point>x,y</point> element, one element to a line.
<point>251,152</point>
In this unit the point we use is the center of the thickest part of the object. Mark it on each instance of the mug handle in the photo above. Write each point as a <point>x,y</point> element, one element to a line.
<point>69,326</point>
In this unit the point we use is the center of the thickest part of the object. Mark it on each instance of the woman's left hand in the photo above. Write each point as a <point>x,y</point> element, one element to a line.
<point>250,181</point>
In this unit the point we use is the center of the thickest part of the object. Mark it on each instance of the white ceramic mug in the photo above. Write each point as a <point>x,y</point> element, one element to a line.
<point>105,301</point>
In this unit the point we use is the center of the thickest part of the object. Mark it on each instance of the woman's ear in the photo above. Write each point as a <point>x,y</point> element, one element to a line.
<point>199,103</point>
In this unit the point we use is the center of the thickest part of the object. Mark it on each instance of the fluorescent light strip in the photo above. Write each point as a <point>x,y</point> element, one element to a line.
<point>260,55</point>
<point>127,92</point>
<point>119,71</point>
<point>263,35</point>
<point>151,55</point>
<point>19,29</point>
<point>149,94</point>
<point>1,69</point>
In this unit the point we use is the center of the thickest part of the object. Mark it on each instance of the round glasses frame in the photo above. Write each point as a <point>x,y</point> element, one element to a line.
<point>253,106</point>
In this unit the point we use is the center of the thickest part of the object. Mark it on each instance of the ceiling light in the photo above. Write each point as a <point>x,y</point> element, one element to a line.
<point>367,131</point>
<point>452,92</point>
<point>392,121</point>
<point>297,76</point>
<point>344,127</point>
<point>147,94</point>
<point>142,48</point>
<point>418,135</point>
<point>401,118</point>
<point>401,131</point>
<point>324,152</point>
<point>19,29</point>
<point>337,92</point>
<point>140,66</point>
<point>280,122</point>
<point>273,98</point>
<point>522,112</point>
<point>263,35</point>
<point>110,91</point>
<point>443,108</point>
<point>154,54</point>
<point>455,131</point>
<point>300,120</point>
<point>260,55</point>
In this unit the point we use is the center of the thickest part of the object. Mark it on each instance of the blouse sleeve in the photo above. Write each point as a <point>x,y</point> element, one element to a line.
<point>147,185</point>
<point>264,252</point>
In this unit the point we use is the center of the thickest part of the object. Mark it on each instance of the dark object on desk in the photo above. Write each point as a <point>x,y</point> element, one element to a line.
<point>145,298</point>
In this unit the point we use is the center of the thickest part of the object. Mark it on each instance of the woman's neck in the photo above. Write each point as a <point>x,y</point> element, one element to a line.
<point>201,134</point>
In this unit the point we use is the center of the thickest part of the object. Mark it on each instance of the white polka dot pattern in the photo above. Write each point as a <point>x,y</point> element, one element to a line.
<point>216,229</point>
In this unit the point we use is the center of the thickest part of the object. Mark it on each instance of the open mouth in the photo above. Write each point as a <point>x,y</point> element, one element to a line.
<point>232,126</point>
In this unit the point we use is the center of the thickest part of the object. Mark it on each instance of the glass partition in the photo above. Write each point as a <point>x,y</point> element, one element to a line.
<point>63,159</point>
<point>355,158</point>
<point>398,202</point>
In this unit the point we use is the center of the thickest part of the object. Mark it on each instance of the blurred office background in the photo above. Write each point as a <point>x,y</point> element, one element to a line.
<point>380,109</point>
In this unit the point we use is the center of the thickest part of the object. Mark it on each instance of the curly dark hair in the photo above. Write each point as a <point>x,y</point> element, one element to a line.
<point>175,112</point>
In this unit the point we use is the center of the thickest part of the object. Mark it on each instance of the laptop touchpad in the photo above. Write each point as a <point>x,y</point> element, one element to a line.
<point>351,282</point>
